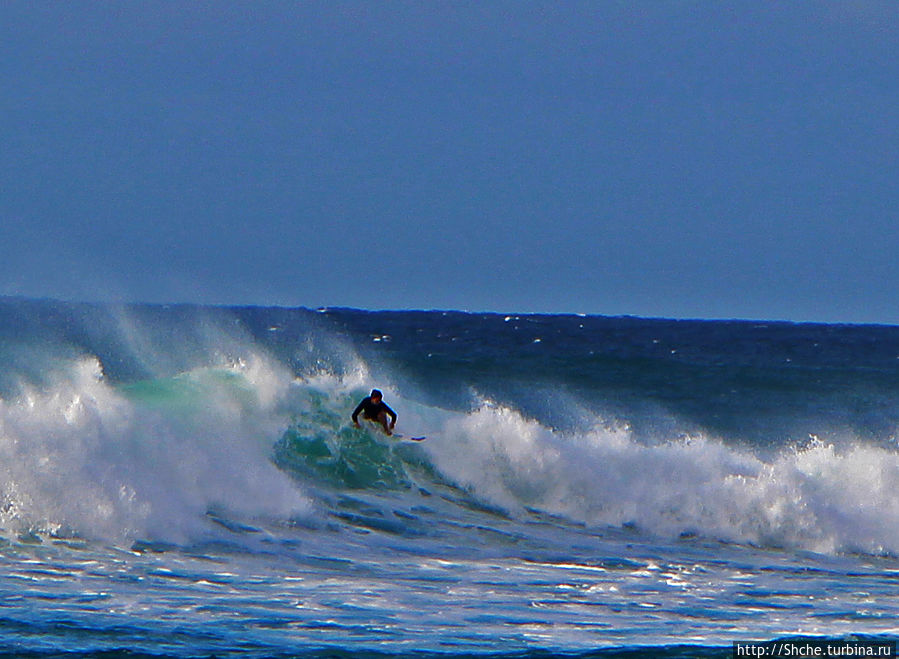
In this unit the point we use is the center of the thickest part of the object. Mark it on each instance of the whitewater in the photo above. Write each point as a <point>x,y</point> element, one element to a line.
<point>186,481</point>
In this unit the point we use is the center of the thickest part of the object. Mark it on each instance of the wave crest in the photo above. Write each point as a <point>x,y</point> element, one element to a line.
<point>818,497</point>
<point>82,457</point>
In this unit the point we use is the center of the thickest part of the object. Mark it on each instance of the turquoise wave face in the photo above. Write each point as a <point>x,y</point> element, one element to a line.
<point>343,457</point>
<point>323,445</point>
<point>187,392</point>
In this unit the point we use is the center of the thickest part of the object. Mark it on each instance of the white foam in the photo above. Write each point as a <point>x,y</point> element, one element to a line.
<point>79,456</point>
<point>818,498</point>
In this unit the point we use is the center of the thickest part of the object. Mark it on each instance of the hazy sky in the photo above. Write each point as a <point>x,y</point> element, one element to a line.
<point>683,159</point>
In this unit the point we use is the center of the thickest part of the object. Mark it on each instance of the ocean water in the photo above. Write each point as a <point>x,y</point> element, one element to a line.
<point>186,481</point>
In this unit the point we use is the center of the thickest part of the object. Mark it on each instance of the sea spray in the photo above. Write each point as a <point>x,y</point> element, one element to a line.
<point>818,497</point>
<point>84,458</point>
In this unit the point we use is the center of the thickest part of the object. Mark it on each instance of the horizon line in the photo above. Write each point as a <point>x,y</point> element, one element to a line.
<point>436,310</point>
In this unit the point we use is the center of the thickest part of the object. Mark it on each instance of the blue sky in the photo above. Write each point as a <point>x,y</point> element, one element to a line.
<point>681,159</point>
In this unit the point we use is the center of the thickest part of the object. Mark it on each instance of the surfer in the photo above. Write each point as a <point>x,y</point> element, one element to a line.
<point>374,408</point>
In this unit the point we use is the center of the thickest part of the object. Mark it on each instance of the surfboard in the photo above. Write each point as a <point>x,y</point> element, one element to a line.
<point>411,439</point>
<point>376,427</point>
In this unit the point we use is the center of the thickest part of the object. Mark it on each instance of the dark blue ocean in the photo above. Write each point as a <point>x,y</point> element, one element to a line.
<point>183,481</point>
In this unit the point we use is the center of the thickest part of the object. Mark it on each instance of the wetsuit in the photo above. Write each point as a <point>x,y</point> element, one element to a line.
<point>372,411</point>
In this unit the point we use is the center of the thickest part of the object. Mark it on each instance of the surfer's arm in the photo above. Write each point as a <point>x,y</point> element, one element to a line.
<point>391,413</point>
<point>356,412</point>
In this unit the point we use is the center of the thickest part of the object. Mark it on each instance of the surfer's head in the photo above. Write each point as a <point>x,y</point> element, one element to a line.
<point>376,395</point>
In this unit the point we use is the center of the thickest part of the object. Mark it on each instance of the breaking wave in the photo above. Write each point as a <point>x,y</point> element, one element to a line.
<point>245,433</point>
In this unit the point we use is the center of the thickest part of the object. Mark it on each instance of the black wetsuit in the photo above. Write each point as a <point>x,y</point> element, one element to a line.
<point>371,410</point>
